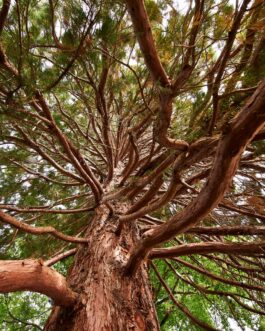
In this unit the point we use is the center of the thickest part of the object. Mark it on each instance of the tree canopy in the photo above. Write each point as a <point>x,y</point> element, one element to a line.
<point>155,109</point>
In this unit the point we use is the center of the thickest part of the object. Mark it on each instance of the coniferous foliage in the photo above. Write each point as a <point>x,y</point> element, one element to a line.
<point>132,141</point>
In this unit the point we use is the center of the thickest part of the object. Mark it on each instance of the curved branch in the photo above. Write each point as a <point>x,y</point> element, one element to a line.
<point>39,230</point>
<point>32,275</point>
<point>174,186</point>
<point>143,32</point>
<point>5,62</point>
<point>144,200</point>
<point>146,41</point>
<point>74,154</point>
<point>44,210</point>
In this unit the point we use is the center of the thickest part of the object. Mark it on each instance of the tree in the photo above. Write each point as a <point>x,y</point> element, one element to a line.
<point>132,149</point>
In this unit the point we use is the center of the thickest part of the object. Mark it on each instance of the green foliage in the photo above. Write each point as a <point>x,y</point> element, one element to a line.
<point>154,12</point>
<point>23,311</point>
<point>94,36</point>
<point>211,309</point>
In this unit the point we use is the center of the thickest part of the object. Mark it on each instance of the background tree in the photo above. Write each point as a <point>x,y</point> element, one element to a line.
<point>132,140</point>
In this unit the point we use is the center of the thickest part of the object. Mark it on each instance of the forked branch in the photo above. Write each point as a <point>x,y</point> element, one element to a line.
<point>231,145</point>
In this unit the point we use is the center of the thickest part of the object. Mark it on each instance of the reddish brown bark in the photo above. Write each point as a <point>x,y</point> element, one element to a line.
<point>108,300</point>
<point>146,41</point>
<point>229,230</point>
<point>209,247</point>
<point>32,275</point>
<point>3,13</point>
<point>38,230</point>
<point>231,145</point>
<point>147,45</point>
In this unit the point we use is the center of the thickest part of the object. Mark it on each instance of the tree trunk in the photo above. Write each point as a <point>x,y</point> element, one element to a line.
<point>108,299</point>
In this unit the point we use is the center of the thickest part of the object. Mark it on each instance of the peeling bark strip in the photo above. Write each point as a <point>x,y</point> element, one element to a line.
<point>231,145</point>
<point>109,300</point>
<point>32,275</point>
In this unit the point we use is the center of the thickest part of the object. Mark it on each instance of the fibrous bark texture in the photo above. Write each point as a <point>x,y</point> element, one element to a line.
<point>108,300</point>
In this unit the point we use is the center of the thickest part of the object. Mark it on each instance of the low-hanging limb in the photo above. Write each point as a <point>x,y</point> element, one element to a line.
<point>32,275</point>
<point>245,125</point>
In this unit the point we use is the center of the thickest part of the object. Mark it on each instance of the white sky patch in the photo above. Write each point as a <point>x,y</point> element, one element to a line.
<point>234,326</point>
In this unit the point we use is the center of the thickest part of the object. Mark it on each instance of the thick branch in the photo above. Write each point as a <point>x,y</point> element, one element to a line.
<point>32,275</point>
<point>231,145</point>
<point>146,41</point>
<point>209,247</point>
<point>229,230</point>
